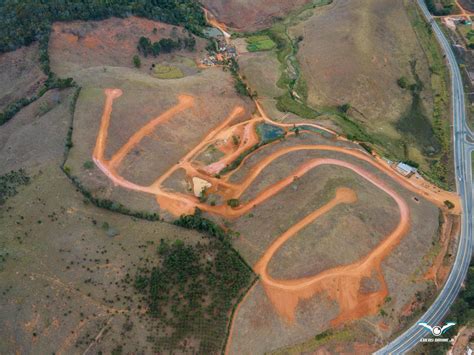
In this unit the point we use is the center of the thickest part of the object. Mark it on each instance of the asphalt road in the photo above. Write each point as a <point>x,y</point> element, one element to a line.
<point>462,155</point>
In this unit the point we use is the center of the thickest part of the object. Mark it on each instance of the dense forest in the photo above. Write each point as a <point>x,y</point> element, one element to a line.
<point>26,21</point>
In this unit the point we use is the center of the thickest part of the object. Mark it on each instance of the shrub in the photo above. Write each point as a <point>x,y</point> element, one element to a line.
<point>233,202</point>
<point>402,82</point>
<point>88,165</point>
<point>136,61</point>
<point>449,204</point>
<point>344,107</point>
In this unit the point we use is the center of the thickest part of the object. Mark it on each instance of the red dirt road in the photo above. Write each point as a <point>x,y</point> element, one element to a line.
<point>340,283</point>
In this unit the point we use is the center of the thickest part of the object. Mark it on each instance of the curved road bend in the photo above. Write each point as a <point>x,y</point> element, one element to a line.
<point>462,161</point>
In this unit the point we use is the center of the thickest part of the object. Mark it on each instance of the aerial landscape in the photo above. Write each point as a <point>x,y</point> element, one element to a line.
<point>236,177</point>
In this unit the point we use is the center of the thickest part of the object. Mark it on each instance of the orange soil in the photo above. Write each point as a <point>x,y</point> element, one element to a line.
<point>219,25</point>
<point>341,283</point>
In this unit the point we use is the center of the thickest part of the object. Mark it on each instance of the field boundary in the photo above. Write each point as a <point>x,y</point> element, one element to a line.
<point>98,202</point>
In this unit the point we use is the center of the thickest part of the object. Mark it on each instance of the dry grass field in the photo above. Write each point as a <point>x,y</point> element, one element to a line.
<point>354,52</point>
<point>22,140</point>
<point>112,42</point>
<point>342,236</point>
<point>247,15</point>
<point>63,261</point>
<point>20,74</point>
<point>62,273</point>
<point>467,4</point>
<point>369,69</point>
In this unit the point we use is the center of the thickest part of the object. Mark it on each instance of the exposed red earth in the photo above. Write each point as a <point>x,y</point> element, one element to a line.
<point>341,283</point>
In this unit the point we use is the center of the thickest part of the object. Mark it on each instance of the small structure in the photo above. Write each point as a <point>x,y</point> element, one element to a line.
<point>405,169</point>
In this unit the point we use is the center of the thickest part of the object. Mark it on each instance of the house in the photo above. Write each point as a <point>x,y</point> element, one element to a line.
<point>405,169</point>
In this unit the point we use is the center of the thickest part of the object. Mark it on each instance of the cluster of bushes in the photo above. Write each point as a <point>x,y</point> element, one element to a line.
<point>9,183</point>
<point>197,222</point>
<point>239,85</point>
<point>440,7</point>
<point>165,45</point>
<point>193,289</point>
<point>24,22</point>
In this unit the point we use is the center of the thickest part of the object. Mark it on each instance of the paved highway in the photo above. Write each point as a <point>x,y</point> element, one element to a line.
<point>462,155</point>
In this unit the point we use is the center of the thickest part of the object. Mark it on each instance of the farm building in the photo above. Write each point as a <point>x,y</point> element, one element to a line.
<point>405,169</point>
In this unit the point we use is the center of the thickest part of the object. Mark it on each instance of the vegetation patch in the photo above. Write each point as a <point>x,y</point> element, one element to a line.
<point>441,7</point>
<point>461,312</point>
<point>467,33</point>
<point>259,43</point>
<point>440,165</point>
<point>165,45</point>
<point>53,82</point>
<point>162,71</point>
<point>415,122</point>
<point>287,103</point>
<point>9,183</point>
<point>344,335</point>
<point>191,289</point>
<point>267,134</point>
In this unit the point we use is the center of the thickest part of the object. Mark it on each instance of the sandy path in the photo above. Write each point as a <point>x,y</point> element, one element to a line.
<point>269,120</point>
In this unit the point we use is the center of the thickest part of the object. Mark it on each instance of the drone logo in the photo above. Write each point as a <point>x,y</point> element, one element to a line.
<point>437,330</point>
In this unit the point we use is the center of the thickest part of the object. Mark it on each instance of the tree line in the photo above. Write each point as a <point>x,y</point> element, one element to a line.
<point>165,45</point>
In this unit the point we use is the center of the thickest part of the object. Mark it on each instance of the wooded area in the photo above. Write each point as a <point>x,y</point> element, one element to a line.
<point>192,289</point>
<point>24,22</point>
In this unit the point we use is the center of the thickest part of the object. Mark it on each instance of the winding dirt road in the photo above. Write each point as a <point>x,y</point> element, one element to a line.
<point>340,283</point>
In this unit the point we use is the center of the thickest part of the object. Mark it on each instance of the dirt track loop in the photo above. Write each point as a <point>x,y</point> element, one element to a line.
<point>340,283</point>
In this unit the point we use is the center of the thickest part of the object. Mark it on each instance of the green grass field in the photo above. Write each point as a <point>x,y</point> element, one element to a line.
<point>167,72</point>
<point>467,33</point>
<point>259,43</point>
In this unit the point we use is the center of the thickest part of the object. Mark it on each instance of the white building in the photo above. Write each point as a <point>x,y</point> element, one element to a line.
<point>405,169</point>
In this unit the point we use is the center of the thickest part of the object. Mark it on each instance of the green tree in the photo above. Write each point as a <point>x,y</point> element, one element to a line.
<point>344,107</point>
<point>136,61</point>
<point>144,46</point>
